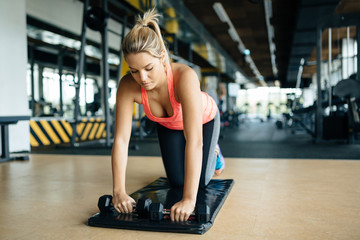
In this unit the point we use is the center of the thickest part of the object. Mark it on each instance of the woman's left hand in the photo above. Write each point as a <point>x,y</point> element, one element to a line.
<point>181,211</point>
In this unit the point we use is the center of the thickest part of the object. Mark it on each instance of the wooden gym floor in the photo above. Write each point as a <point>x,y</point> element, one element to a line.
<point>52,196</point>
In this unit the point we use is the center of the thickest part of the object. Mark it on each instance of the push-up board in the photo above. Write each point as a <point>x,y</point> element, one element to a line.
<point>214,196</point>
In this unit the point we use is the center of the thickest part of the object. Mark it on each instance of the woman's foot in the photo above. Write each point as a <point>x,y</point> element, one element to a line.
<point>220,161</point>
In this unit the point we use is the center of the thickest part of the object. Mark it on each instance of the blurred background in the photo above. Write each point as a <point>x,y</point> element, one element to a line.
<point>283,73</point>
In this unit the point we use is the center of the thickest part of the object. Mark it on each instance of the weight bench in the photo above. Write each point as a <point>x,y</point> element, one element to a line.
<point>4,123</point>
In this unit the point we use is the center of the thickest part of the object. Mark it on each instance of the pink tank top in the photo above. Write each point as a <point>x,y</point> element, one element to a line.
<point>175,122</point>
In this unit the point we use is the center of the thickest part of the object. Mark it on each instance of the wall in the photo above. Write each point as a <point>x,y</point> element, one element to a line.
<point>68,14</point>
<point>13,63</point>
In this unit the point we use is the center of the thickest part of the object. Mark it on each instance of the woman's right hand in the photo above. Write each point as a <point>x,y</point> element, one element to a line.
<point>123,203</point>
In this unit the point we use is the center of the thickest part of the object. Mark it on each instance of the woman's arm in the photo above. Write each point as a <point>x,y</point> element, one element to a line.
<point>189,94</point>
<point>123,121</point>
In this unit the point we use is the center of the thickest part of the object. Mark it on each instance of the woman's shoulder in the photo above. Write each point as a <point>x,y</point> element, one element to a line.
<point>182,71</point>
<point>180,68</point>
<point>185,78</point>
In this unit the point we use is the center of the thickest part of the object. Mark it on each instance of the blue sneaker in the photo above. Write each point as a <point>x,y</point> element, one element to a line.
<point>220,161</point>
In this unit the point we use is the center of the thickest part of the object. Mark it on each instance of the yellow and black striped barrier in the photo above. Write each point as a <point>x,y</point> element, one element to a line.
<point>51,131</point>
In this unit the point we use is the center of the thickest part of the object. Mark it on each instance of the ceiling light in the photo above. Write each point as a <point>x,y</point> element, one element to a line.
<point>246,52</point>
<point>233,34</point>
<point>271,35</point>
<point>220,11</point>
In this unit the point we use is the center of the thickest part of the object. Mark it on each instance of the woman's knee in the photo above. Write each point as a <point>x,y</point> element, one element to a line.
<point>175,182</point>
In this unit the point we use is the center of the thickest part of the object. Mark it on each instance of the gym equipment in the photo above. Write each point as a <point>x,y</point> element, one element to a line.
<point>349,89</point>
<point>105,203</point>
<point>5,121</point>
<point>203,213</point>
<point>95,18</point>
<point>279,124</point>
<point>335,127</point>
<point>209,202</point>
<point>157,212</point>
<point>142,207</point>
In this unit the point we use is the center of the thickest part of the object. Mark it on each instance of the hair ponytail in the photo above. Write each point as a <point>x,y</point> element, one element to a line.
<point>145,36</point>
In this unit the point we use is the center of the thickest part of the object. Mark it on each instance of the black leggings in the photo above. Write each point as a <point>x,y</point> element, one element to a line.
<point>172,145</point>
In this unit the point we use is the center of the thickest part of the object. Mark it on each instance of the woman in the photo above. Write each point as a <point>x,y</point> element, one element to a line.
<point>188,119</point>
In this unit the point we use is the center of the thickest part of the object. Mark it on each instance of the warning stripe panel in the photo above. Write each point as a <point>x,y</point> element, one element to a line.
<point>56,132</point>
<point>93,131</point>
<point>60,131</point>
<point>44,140</point>
<point>50,132</point>
<point>33,141</point>
<point>86,131</point>
<point>101,129</point>
<point>36,140</point>
<point>80,128</point>
<point>67,127</point>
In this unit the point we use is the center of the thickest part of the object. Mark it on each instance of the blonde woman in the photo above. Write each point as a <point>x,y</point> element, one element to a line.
<point>187,119</point>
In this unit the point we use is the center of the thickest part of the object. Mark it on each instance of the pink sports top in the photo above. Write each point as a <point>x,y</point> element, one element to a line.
<point>175,121</point>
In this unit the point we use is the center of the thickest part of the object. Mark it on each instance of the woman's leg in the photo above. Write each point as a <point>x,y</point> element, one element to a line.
<point>211,136</point>
<point>172,145</point>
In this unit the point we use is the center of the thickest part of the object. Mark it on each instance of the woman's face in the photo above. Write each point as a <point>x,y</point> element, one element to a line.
<point>147,70</point>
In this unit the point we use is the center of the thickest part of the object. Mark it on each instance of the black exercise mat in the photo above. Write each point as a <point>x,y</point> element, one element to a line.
<point>213,195</point>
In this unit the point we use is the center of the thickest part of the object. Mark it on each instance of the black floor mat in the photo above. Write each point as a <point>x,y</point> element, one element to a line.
<point>213,195</point>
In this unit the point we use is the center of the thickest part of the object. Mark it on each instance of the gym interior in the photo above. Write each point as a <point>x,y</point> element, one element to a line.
<point>284,74</point>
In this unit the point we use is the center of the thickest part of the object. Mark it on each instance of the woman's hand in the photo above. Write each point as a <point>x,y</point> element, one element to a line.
<point>181,211</point>
<point>123,203</point>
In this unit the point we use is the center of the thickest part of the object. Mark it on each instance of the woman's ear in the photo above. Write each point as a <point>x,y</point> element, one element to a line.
<point>163,57</point>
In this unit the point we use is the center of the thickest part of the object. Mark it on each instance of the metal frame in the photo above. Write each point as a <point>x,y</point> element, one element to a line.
<point>105,73</point>
<point>332,21</point>
<point>60,69</point>
<point>80,68</point>
<point>32,64</point>
<point>104,67</point>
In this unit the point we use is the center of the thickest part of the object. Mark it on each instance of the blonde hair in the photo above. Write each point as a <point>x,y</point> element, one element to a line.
<point>145,36</point>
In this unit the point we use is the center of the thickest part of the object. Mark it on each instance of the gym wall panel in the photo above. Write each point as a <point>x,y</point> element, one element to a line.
<point>13,63</point>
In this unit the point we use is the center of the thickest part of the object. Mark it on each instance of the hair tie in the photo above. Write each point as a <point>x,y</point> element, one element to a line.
<point>145,26</point>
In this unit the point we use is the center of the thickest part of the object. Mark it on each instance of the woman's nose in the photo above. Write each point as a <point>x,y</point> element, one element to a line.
<point>143,76</point>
